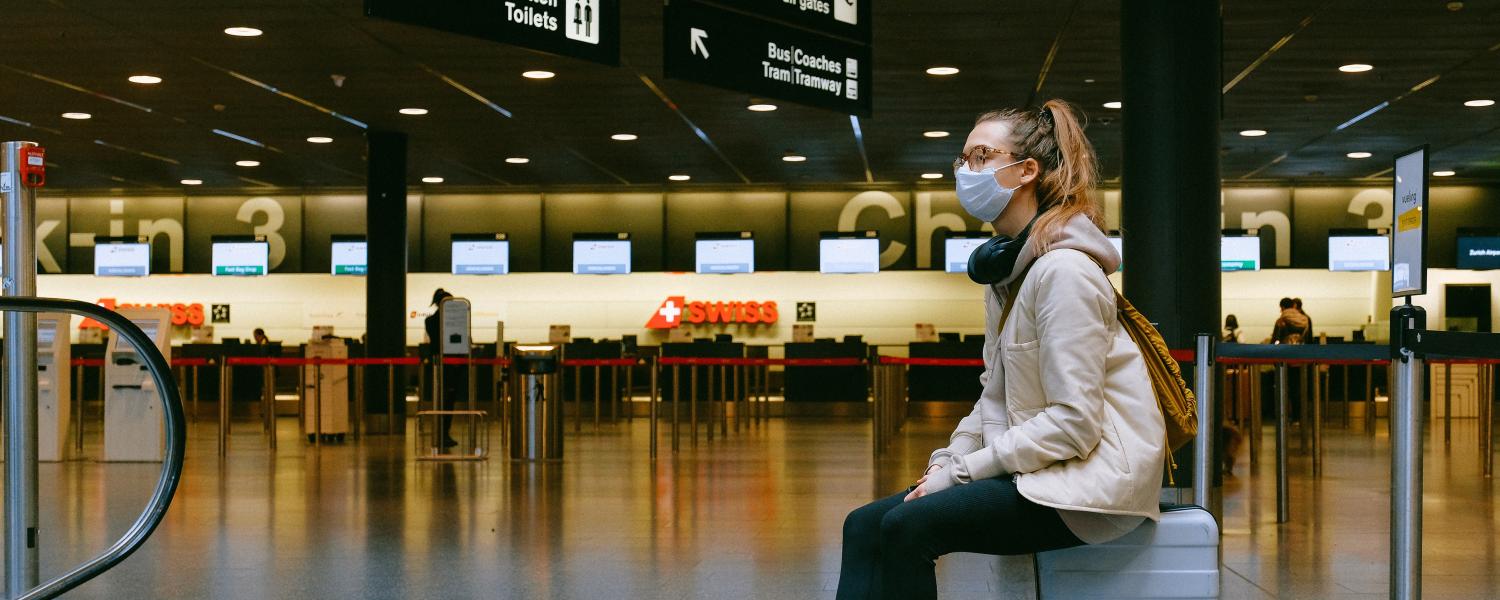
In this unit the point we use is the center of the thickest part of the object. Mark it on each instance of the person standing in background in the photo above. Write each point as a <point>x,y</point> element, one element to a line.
<point>1231,333</point>
<point>259,337</point>
<point>1293,326</point>
<point>1297,303</point>
<point>455,378</point>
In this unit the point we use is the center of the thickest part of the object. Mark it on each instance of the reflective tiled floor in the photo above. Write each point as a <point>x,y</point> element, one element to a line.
<point>753,515</point>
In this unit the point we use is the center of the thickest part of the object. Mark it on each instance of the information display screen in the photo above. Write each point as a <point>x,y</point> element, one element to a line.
<point>481,257</point>
<point>849,255</point>
<point>349,257</point>
<point>1119,244</point>
<point>725,255</point>
<point>1409,231</point>
<point>958,249</point>
<point>122,259</point>
<point>1479,250</point>
<point>601,257</point>
<point>237,258</point>
<point>1359,253</point>
<point>1239,253</point>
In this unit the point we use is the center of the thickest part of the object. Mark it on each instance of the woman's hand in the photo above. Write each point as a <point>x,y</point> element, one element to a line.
<point>921,490</point>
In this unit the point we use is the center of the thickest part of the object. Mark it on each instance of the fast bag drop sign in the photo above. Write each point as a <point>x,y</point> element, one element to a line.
<point>676,311</point>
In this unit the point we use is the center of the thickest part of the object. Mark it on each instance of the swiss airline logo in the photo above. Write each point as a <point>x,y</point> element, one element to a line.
<point>676,311</point>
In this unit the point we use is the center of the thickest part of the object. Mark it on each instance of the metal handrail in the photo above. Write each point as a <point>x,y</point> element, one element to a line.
<point>176,430</point>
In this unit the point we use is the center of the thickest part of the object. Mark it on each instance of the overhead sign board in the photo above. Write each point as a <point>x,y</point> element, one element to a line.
<point>586,29</point>
<point>761,57</point>
<point>843,18</point>
<point>1409,229</point>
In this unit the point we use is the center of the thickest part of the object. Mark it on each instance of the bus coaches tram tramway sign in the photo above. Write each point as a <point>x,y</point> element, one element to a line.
<point>586,29</point>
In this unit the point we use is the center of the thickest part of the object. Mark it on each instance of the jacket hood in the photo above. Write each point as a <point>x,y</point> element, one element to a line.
<point>1079,234</point>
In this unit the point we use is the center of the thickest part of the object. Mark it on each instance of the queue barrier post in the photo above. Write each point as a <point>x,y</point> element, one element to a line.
<point>654,397</point>
<point>1203,446</point>
<point>1283,503</point>
<point>268,406</point>
<point>1407,321</point>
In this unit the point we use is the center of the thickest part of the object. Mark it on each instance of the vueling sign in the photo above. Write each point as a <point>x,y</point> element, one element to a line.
<point>675,311</point>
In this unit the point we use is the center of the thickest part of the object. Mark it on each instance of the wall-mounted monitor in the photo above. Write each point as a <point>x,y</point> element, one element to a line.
<point>241,255</point>
<point>1359,250</point>
<point>849,252</point>
<point>958,246</point>
<point>1478,249</point>
<point>1118,241</point>
<point>725,252</point>
<point>481,254</point>
<point>1239,250</point>
<point>121,256</point>
<point>601,253</point>
<point>349,255</point>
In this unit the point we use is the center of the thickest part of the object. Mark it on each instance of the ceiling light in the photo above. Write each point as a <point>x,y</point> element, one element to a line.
<point>1113,104</point>
<point>1481,103</point>
<point>145,79</point>
<point>794,157</point>
<point>1253,132</point>
<point>318,139</point>
<point>1356,68</point>
<point>935,134</point>
<point>932,176</point>
<point>518,160</point>
<point>432,180</point>
<point>77,116</point>
<point>415,112</point>
<point>1443,173</point>
<point>243,31</point>
<point>192,182</point>
<point>762,107</point>
<point>539,74</point>
<point>679,177</point>
<point>1359,155</point>
<point>942,70</point>
<point>247,163</point>
<point>623,137</point>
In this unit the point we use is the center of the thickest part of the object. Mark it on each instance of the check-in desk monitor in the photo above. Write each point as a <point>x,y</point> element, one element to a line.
<point>1239,253</point>
<point>241,256</point>
<point>732,252</point>
<point>1358,250</point>
<point>53,385</point>
<point>481,254</point>
<point>349,255</point>
<point>132,408</point>
<point>1478,249</point>
<point>122,257</point>
<point>601,254</point>
<point>849,252</point>
<point>958,246</point>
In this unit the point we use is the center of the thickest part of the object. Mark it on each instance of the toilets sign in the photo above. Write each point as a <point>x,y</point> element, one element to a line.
<point>586,29</point>
<point>812,52</point>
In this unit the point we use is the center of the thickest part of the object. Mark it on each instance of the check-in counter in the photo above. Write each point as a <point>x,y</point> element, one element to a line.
<point>697,349</point>
<point>945,383</point>
<point>827,383</point>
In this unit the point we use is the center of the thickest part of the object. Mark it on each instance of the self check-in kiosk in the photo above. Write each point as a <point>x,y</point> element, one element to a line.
<point>327,385</point>
<point>132,413</point>
<point>54,406</point>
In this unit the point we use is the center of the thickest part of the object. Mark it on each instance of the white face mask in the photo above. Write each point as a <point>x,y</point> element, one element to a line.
<point>980,194</point>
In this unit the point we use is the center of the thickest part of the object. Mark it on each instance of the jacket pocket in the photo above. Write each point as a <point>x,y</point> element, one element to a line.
<point>1023,377</point>
<point>1117,450</point>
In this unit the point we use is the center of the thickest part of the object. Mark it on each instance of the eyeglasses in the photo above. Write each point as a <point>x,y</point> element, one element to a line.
<point>978,155</point>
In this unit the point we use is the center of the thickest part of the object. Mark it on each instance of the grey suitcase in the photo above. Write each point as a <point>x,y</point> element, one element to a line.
<point>1177,557</point>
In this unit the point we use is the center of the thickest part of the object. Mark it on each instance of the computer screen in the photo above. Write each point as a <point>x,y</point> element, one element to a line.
<point>481,256</point>
<point>237,258</point>
<point>1479,251</point>
<point>958,249</point>
<point>1119,244</point>
<point>349,257</point>
<point>1359,253</point>
<point>725,255</point>
<point>849,255</point>
<point>130,259</point>
<point>601,257</point>
<point>1239,253</point>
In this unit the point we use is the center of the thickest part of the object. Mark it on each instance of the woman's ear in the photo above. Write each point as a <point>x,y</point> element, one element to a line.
<point>1030,170</point>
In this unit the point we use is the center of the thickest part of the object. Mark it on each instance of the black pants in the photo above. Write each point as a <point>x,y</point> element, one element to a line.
<point>891,547</point>
<point>455,392</point>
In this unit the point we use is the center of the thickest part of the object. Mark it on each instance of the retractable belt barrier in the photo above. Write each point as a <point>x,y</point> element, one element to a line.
<point>598,365</point>
<point>268,391</point>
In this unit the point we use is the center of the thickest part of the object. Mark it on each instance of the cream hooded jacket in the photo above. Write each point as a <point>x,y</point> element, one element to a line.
<point>1067,405</point>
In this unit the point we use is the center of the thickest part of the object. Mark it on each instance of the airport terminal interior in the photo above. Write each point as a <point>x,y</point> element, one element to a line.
<point>640,299</point>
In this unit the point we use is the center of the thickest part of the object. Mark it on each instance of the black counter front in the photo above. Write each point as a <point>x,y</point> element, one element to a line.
<point>945,384</point>
<point>827,384</point>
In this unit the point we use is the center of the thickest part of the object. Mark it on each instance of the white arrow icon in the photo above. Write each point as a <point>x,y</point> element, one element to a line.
<point>698,35</point>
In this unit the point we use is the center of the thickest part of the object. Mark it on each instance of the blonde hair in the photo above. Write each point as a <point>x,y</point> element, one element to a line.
<point>1053,136</point>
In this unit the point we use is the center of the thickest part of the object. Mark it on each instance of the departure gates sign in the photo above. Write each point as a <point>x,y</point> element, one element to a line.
<point>676,311</point>
<point>586,29</point>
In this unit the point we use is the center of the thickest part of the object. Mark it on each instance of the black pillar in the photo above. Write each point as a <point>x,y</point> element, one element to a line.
<point>385,280</point>
<point>1170,188</point>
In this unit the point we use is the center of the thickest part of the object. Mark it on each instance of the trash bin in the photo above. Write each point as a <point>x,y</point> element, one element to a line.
<point>536,416</point>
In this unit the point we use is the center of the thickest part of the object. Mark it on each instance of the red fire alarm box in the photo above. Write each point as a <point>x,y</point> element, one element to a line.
<point>34,166</point>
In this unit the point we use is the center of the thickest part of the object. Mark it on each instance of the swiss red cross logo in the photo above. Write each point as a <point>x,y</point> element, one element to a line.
<point>676,311</point>
<point>669,315</point>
